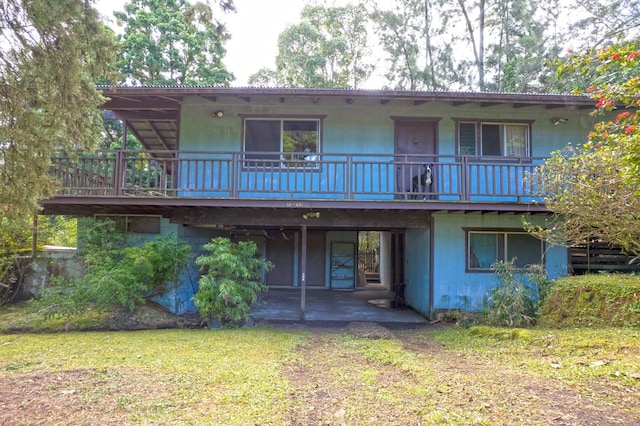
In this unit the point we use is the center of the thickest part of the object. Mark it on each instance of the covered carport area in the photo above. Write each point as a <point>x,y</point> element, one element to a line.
<point>333,306</point>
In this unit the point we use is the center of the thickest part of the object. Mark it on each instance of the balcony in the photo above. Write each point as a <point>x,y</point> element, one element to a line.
<point>296,176</point>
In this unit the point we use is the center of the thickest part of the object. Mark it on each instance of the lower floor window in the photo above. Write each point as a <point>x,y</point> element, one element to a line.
<point>484,248</point>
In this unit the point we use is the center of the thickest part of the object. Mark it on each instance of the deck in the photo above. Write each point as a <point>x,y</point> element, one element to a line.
<point>292,177</point>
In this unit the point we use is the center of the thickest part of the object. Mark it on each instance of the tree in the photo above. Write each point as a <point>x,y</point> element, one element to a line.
<point>593,189</point>
<point>326,49</point>
<point>52,55</point>
<point>400,32</point>
<point>173,42</point>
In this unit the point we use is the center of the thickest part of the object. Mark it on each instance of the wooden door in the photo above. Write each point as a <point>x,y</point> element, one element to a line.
<point>280,251</point>
<point>415,147</point>
<point>316,258</point>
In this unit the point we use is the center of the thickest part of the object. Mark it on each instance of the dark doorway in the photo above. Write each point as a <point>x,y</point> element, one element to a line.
<point>415,149</point>
<point>316,258</point>
<point>280,250</point>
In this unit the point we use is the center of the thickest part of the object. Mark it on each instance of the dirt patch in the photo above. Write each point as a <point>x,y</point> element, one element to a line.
<point>73,397</point>
<point>335,383</point>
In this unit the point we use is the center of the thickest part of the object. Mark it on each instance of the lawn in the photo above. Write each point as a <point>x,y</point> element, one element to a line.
<point>362,374</point>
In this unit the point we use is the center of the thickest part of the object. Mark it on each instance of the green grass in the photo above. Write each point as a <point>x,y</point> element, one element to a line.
<point>236,372</point>
<point>442,376</point>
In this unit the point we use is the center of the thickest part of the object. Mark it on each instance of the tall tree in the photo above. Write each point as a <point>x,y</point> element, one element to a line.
<point>400,32</point>
<point>52,55</point>
<point>327,48</point>
<point>593,188</point>
<point>173,42</point>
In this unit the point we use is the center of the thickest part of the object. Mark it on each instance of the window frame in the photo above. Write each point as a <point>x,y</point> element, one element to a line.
<point>282,160</point>
<point>504,245</point>
<point>478,123</point>
<point>133,223</point>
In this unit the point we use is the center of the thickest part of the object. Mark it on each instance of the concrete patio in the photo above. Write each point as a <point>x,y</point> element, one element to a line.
<point>322,305</point>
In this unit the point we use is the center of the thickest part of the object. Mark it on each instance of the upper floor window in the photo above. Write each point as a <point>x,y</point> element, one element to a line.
<point>289,142</point>
<point>484,248</point>
<point>494,139</point>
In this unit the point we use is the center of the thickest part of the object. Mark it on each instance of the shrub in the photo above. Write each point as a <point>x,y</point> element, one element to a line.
<point>116,276</point>
<point>230,281</point>
<point>516,299</point>
<point>593,300</point>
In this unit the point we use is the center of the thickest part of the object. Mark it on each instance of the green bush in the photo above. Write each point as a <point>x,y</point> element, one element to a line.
<point>116,276</point>
<point>230,283</point>
<point>516,299</point>
<point>593,300</point>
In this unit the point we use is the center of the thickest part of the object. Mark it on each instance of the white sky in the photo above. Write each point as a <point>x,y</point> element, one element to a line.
<point>254,29</point>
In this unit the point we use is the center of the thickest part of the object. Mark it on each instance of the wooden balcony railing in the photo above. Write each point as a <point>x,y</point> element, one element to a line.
<point>296,176</point>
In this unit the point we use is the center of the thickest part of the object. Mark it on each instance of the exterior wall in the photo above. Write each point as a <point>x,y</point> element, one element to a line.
<point>48,263</point>
<point>452,284</point>
<point>367,127</point>
<point>364,128</point>
<point>416,270</point>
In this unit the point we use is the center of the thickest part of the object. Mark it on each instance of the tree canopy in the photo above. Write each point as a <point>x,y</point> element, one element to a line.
<point>328,48</point>
<point>53,53</point>
<point>173,42</point>
<point>594,189</point>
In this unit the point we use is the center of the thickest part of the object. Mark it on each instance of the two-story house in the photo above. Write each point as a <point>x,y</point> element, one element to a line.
<point>442,176</point>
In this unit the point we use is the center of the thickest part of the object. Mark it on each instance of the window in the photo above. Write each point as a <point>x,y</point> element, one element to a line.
<point>134,224</point>
<point>289,142</point>
<point>493,139</point>
<point>486,247</point>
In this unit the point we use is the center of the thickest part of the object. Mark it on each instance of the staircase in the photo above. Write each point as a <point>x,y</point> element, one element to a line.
<point>372,278</point>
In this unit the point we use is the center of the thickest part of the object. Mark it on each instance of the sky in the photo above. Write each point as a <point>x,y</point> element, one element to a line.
<point>254,29</point>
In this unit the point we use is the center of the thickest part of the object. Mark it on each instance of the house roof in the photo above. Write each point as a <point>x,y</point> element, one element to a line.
<point>152,112</point>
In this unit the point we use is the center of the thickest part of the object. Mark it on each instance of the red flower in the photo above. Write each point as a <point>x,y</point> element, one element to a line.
<point>591,88</point>
<point>622,115</point>
<point>629,129</point>
<point>615,56</point>
<point>631,56</point>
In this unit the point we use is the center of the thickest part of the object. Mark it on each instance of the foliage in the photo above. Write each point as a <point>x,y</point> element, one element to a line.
<point>516,299</point>
<point>230,281</point>
<point>173,42</point>
<point>593,300</point>
<point>605,171</point>
<point>116,275</point>
<point>52,54</point>
<point>16,242</point>
<point>327,49</point>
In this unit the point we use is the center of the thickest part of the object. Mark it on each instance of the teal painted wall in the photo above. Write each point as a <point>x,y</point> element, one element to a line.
<point>416,270</point>
<point>366,126</point>
<point>452,285</point>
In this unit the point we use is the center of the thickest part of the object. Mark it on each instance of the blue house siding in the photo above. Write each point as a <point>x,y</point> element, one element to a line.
<point>198,167</point>
<point>356,152</point>
<point>454,287</point>
<point>416,269</point>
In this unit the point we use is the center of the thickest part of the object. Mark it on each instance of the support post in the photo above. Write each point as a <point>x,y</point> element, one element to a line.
<point>303,270</point>
<point>34,236</point>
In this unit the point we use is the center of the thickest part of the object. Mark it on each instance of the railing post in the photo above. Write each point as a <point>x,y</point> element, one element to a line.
<point>349,170</point>
<point>235,174</point>
<point>118,173</point>
<point>464,191</point>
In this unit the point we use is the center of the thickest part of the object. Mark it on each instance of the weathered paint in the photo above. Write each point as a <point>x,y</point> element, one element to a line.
<point>365,127</point>
<point>456,288</point>
<point>416,269</point>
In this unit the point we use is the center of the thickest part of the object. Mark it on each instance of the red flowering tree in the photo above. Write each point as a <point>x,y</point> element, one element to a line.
<point>594,189</point>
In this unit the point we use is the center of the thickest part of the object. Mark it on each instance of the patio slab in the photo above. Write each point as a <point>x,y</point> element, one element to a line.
<point>322,305</point>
